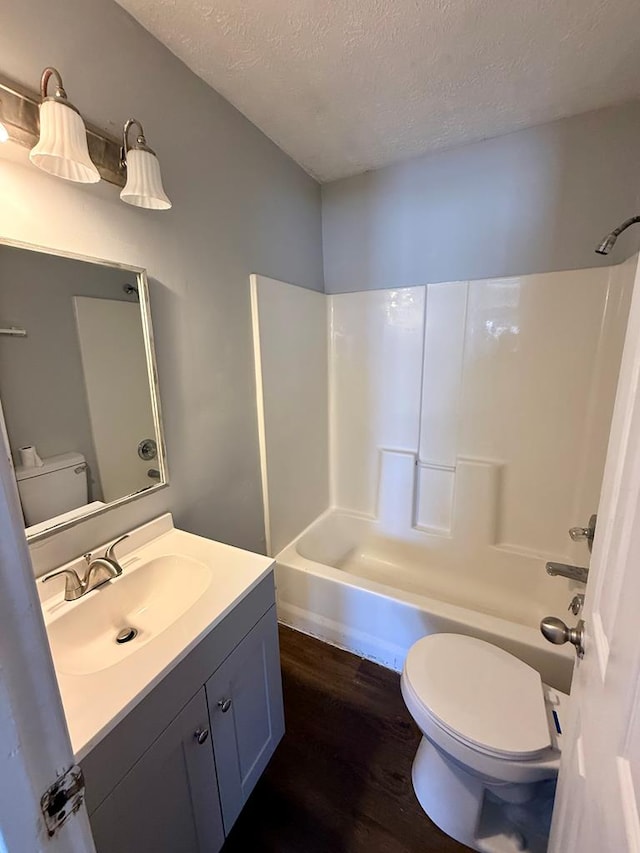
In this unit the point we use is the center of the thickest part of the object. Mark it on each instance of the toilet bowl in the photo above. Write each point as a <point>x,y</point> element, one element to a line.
<point>486,766</point>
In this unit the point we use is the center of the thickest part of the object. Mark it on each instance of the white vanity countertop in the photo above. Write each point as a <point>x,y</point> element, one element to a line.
<point>97,701</point>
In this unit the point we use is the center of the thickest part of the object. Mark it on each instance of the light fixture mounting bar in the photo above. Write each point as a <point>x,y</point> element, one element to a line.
<point>19,113</point>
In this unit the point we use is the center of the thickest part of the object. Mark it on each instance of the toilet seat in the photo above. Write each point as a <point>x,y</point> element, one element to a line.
<point>491,734</point>
<point>479,702</point>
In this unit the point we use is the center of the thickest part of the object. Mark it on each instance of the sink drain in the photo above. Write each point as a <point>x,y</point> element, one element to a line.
<point>126,635</point>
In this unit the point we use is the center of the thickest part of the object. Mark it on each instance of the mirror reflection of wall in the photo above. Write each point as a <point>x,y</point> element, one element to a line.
<point>76,386</point>
<point>118,397</point>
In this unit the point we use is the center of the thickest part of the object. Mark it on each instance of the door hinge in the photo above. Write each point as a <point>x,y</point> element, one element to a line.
<point>62,799</point>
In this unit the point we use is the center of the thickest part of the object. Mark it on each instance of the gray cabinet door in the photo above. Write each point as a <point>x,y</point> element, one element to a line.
<point>247,718</point>
<point>168,801</point>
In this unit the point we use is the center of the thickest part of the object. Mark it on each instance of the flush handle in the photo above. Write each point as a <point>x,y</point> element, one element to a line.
<point>224,705</point>
<point>554,630</point>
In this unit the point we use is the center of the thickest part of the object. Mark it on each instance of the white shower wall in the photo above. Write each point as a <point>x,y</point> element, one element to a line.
<point>475,414</point>
<point>375,364</point>
<point>290,349</point>
<point>478,411</point>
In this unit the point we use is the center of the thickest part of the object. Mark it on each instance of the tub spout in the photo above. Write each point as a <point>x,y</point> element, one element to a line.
<point>563,570</point>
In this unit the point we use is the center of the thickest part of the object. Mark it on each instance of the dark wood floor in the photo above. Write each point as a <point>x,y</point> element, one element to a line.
<point>340,781</point>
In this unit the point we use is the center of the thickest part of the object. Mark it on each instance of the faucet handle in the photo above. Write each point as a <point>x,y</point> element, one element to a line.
<point>580,534</point>
<point>109,553</point>
<point>73,587</point>
<point>577,534</point>
<point>87,557</point>
<point>577,603</point>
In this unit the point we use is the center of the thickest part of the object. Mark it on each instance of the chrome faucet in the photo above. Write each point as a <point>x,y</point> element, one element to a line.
<point>98,572</point>
<point>577,534</point>
<point>574,573</point>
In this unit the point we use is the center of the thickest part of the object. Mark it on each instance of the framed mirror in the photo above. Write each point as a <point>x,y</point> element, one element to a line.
<point>79,404</point>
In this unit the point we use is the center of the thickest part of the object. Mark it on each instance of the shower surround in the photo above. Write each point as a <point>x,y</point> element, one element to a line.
<point>467,428</point>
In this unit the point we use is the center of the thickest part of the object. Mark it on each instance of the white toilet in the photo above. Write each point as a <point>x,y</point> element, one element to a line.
<point>486,766</point>
<point>52,489</point>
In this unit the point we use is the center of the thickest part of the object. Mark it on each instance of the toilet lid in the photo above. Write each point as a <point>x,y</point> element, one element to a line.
<point>480,694</point>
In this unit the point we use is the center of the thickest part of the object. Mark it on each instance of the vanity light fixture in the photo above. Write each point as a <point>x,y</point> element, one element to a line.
<point>144,182</point>
<point>62,144</point>
<point>62,147</point>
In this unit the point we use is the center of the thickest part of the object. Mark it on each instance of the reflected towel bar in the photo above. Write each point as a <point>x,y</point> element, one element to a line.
<point>14,333</point>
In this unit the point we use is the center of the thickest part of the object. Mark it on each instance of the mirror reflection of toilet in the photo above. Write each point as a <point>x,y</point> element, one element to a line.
<point>488,760</point>
<point>55,487</point>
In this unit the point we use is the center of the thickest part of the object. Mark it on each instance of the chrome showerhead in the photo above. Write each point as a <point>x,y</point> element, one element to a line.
<point>610,240</point>
<point>130,290</point>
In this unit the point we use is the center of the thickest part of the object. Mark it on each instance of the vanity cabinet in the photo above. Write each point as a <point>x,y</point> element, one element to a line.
<point>169,800</point>
<point>247,722</point>
<point>175,772</point>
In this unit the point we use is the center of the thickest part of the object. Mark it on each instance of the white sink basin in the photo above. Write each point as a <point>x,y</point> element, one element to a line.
<point>174,589</point>
<point>148,598</point>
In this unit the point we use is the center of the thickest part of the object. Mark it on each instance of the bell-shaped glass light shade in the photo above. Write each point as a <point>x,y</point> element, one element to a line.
<point>144,183</point>
<point>4,133</point>
<point>62,148</point>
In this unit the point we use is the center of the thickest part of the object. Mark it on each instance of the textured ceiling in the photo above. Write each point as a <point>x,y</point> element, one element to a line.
<point>349,85</point>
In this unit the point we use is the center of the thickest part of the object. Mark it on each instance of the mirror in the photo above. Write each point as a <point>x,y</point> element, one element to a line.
<point>79,404</point>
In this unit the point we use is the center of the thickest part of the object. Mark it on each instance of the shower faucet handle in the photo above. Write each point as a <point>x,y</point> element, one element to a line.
<point>576,604</point>
<point>581,534</point>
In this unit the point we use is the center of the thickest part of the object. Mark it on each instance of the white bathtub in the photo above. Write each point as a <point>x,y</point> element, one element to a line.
<point>344,581</point>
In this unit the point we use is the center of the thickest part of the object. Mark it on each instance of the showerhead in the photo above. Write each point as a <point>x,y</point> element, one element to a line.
<point>607,244</point>
<point>610,240</point>
<point>130,290</point>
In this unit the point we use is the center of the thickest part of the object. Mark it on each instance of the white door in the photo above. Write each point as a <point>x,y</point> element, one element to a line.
<point>34,741</point>
<point>114,362</point>
<point>598,800</point>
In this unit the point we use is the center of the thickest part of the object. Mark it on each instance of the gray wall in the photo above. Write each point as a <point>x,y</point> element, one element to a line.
<point>42,385</point>
<point>532,201</point>
<point>240,206</point>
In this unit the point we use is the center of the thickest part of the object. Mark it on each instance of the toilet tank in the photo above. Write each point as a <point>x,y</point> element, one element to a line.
<point>58,486</point>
